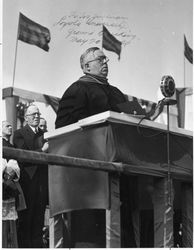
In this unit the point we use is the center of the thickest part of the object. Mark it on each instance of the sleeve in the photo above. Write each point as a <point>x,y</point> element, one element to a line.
<point>4,164</point>
<point>72,106</point>
<point>12,165</point>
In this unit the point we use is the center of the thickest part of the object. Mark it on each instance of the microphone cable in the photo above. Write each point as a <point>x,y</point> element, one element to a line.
<point>141,133</point>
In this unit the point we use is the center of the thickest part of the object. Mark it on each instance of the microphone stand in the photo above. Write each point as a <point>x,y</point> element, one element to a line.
<point>168,102</point>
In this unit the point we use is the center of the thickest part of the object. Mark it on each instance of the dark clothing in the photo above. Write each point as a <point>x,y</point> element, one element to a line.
<point>34,182</point>
<point>7,143</point>
<point>9,187</point>
<point>88,96</point>
<point>12,188</point>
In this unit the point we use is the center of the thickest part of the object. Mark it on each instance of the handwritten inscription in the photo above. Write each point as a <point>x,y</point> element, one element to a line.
<point>83,28</point>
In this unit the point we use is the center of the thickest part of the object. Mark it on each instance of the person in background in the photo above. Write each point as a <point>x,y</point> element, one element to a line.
<point>34,181</point>
<point>13,198</point>
<point>43,127</point>
<point>43,124</point>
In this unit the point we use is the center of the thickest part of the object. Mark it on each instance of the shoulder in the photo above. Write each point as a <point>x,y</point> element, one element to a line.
<point>116,90</point>
<point>21,131</point>
<point>77,85</point>
<point>75,88</point>
<point>6,143</point>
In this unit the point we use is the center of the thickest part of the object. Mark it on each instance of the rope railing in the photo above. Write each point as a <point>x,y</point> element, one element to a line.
<point>42,159</point>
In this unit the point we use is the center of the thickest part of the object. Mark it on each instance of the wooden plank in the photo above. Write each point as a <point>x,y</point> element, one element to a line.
<point>113,167</point>
<point>7,92</point>
<point>115,117</point>
<point>113,225</point>
<point>133,120</point>
<point>25,94</point>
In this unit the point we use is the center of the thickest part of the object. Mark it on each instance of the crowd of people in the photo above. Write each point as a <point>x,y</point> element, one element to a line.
<point>89,95</point>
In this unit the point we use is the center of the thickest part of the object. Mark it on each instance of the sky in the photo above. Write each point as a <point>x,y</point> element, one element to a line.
<point>151,32</point>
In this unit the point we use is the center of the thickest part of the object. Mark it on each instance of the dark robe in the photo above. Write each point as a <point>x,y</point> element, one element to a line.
<point>88,96</point>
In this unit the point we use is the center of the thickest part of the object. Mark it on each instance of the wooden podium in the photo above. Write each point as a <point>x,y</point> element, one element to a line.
<point>139,146</point>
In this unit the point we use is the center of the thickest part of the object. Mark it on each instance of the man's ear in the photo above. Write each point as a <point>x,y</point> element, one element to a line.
<point>86,68</point>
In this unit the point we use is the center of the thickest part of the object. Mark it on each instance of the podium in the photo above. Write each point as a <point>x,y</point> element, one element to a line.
<point>140,148</point>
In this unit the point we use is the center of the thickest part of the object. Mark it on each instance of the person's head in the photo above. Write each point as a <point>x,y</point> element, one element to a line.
<point>32,115</point>
<point>93,61</point>
<point>43,125</point>
<point>6,129</point>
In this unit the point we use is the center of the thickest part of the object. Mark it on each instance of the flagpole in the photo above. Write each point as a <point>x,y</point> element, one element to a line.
<point>184,71</point>
<point>184,60</point>
<point>102,37</point>
<point>14,69</point>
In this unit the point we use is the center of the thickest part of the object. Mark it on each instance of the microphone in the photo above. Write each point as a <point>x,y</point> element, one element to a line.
<point>167,87</point>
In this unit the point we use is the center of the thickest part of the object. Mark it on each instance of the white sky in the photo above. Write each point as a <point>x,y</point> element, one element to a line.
<point>152,32</point>
<point>155,30</point>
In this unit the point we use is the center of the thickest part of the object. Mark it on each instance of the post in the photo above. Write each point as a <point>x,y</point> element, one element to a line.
<point>59,236</point>
<point>163,213</point>
<point>113,224</point>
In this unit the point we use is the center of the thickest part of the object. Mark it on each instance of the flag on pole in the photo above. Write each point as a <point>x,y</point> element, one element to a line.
<point>188,51</point>
<point>109,42</point>
<point>33,33</point>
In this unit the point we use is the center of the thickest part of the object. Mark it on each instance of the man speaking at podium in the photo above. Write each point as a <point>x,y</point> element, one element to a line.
<point>90,95</point>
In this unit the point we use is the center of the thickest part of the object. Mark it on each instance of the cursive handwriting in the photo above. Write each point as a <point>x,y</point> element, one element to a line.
<point>84,28</point>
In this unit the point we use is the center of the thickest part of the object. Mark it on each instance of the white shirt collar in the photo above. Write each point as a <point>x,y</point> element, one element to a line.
<point>34,129</point>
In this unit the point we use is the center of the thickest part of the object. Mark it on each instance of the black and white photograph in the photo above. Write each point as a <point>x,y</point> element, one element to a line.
<point>97,124</point>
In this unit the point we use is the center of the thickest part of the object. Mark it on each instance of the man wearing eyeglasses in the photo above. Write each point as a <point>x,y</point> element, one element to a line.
<point>92,93</point>
<point>33,180</point>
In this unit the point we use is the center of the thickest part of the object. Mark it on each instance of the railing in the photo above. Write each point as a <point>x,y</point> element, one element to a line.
<point>162,210</point>
<point>96,165</point>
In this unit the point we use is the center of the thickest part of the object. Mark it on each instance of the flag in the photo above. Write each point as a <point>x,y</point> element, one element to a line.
<point>188,51</point>
<point>109,42</point>
<point>180,97</point>
<point>33,33</point>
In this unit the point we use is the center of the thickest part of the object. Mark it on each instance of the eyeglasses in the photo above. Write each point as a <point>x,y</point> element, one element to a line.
<point>34,114</point>
<point>101,59</point>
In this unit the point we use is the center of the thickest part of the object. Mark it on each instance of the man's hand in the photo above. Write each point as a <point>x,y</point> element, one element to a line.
<point>158,110</point>
<point>12,170</point>
<point>45,147</point>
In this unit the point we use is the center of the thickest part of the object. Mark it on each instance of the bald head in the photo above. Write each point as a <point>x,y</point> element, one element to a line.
<point>86,56</point>
<point>94,62</point>
<point>6,129</point>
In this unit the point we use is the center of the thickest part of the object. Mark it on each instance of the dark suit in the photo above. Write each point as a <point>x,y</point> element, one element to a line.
<point>7,143</point>
<point>34,182</point>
